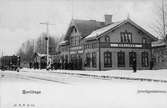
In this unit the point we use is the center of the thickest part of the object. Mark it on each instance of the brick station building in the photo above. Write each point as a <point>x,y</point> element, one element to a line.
<point>95,45</point>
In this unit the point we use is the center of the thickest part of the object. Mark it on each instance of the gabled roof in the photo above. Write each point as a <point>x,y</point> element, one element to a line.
<point>92,29</point>
<point>85,27</point>
<point>100,32</point>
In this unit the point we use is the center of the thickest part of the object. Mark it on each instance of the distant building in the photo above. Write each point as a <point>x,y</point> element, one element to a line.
<point>95,45</point>
<point>160,54</point>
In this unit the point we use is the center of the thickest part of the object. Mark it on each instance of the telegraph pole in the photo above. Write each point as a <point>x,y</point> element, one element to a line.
<point>47,42</point>
<point>163,18</point>
<point>72,8</point>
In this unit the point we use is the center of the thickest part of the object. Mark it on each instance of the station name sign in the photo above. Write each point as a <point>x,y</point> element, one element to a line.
<point>126,45</point>
<point>76,48</point>
<point>75,52</point>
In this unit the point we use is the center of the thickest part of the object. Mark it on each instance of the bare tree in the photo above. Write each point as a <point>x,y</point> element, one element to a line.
<point>26,51</point>
<point>160,26</point>
<point>40,44</point>
<point>30,47</point>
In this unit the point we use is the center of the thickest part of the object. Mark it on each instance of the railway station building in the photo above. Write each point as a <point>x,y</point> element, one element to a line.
<point>97,45</point>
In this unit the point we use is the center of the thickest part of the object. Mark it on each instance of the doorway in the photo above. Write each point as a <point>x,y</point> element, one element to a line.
<point>132,55</point>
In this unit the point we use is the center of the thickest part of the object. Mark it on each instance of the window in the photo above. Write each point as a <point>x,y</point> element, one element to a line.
<point>72,58</point>
<point>126,37</point>
<point>87,46</point>
<point>71,41</point>
<point>121,37</point>
<point>66,58</point>
<point>77,40</point>
<point>94,45</point>
<point>94,59</point>
<point>121,59</point>
<point>62,58</point>
<point>74,39</point>
<point>107,39</point>
<point>144,41</point>
<point>88,60</point>
<point>107,59</point>
<point>144,59</point>
<point>130,37</point>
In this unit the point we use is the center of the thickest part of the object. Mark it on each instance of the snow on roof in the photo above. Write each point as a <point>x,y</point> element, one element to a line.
<point>102,30</point>
<point>41,55</point>
<point>158,43</point>
<point>63,42</point>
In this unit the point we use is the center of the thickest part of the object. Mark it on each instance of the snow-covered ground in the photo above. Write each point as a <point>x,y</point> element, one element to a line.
<point>143,75</point>
<point>80,92</point>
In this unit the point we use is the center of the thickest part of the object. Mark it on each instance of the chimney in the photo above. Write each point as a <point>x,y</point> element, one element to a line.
<point>108,19</point>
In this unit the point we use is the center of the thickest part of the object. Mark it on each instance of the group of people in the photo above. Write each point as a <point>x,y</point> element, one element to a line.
<point>56,65</point>
<point>75,65</point>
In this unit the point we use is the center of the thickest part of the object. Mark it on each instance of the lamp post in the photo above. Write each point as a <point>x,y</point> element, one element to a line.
<point>47,42</point>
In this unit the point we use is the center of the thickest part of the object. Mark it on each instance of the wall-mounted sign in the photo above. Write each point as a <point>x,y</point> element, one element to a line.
<point>73,52</point>
<point>76,48</point>
<point>126,45</point>
<point>81,51</point>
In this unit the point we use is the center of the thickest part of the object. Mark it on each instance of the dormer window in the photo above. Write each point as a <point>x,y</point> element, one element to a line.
<point>126,37</point>
<point>107,39</point>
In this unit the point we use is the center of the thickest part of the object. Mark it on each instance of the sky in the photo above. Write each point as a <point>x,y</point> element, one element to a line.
<point>20,19</point>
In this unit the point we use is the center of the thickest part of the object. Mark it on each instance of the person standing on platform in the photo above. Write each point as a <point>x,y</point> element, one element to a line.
<point>134,65</point>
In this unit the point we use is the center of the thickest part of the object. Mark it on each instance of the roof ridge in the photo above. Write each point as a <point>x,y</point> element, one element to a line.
<point>87,20</point>
<point>111,24</point>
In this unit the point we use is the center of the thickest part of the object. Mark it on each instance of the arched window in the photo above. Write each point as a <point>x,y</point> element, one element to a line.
<point>126,37</point>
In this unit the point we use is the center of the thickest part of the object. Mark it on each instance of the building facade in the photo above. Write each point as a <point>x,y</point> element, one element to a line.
<point>95,45</point>
<point>160,54</point>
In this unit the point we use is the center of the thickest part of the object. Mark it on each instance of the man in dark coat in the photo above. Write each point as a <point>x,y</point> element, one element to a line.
<point>151,64</point>
<point>134,65</point>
